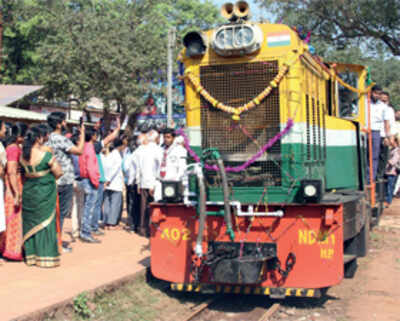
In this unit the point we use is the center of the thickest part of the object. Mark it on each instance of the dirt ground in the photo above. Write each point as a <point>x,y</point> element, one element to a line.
<point>25,290</point>
<point>372,295</point>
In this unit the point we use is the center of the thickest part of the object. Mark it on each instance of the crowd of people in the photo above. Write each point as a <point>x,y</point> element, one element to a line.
<point>49,173</point>
<point>385,132</point>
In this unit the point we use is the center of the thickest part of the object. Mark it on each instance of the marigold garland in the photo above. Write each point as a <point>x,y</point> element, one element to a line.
<point>236,112</point>
<point>250,105</point>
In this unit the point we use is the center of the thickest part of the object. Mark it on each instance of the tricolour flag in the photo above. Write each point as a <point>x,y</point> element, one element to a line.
<point>278,39</point>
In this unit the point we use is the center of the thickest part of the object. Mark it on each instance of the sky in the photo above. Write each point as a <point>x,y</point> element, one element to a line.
<point>256,11</point>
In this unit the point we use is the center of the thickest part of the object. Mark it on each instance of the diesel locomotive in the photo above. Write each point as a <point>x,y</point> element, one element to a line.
<point>274,201</point>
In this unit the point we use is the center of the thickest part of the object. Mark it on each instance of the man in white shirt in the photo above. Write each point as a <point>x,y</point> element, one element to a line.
<point>173,161</point>
<point>397,124</point>
<point>394,125</point>
<point>131,171</point>
<point>148,163</point>
<point>114,186</point>
<point>386,140</point>
<point>379,126</point>
<point>397,134</point>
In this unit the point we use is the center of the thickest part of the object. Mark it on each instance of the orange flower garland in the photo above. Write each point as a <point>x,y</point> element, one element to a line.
<point>232,110</point>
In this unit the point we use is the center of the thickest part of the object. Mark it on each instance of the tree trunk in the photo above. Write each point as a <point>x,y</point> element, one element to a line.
<point>123,110</point>
<point>106,120</point>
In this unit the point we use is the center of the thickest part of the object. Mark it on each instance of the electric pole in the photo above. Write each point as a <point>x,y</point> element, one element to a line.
<point>171,46</point>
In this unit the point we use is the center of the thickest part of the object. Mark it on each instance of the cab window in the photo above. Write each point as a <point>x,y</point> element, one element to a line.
<point>348,100</point>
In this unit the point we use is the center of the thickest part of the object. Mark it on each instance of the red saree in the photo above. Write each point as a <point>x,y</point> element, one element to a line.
<point>11,240</point>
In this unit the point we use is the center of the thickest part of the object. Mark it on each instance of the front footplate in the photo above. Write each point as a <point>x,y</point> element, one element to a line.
<point>276,293</point>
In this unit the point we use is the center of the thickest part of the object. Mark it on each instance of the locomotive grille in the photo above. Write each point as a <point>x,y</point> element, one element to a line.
<point>235,85</point>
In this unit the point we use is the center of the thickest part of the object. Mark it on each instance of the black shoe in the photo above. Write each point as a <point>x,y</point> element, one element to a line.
<point>98,232</point>
<point>66,249</point>
<point>89,239</point>
<point>130,229</point>
<point>144,232</point>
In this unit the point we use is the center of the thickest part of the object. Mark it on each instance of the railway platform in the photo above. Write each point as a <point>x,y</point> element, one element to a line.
<point>26,293</point>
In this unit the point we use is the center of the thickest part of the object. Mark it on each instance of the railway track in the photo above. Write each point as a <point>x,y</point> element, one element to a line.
<point>271,310</point>
<point>202,312</point>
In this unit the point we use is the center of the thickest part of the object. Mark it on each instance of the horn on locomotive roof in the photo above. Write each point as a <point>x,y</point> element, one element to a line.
<point>227,11</point>
<point>241,10</point>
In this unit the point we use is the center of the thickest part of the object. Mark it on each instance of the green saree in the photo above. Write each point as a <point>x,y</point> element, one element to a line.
<point>39,197</point>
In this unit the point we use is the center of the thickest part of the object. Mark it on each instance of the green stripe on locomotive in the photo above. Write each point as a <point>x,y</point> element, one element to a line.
<point>339,171</point>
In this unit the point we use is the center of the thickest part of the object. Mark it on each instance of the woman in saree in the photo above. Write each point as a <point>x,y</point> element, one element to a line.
<point>39,198</point>
<point>11,240</point>
<point>3,162</point>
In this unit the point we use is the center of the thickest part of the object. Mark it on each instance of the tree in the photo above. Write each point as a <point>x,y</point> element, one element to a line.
<point>359,31</point>
<point>99,49</point>
<point>110,49</point>
<point>20,38</point>
<point>337,21</point>
<point>384,70</point>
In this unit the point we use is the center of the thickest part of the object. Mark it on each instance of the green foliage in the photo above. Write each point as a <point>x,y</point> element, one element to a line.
<point>110,49</point>
<point>81,306</point>
<point>104,49</point>
<point>363,32</point>
<point>384,70</point>
<point>337,22</point>
<point>21,35</point>
<point>114,49</point>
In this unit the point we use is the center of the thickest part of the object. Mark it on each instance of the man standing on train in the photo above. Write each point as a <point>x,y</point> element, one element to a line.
<point>380,128</point>
<point>386,141</point>
<point>173,160</point>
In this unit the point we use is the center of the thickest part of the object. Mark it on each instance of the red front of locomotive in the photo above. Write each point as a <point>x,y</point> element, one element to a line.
<point>301,249</point>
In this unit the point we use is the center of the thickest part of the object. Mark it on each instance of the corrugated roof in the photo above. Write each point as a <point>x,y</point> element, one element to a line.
<point>15,113</point>
<point>13,93</point>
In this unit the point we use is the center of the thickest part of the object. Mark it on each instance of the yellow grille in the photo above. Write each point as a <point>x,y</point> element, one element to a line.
<point>235,85</point>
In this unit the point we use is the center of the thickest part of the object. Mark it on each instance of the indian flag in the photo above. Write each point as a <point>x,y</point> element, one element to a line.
<point>278,39</point>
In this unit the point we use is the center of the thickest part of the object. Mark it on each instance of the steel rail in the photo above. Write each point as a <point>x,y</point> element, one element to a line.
<point>197,310</point>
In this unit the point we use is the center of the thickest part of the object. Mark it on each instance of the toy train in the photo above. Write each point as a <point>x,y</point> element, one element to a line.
<point>276,202</point>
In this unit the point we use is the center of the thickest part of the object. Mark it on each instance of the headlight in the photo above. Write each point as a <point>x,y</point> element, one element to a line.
<point>172,191</point>
<point>195,43</point>
<point>311,190</point>
<point>169,191</point>
<point>220,38</point>
<point>237,39</point>
<point>224,38</point>
<point>244,37</point>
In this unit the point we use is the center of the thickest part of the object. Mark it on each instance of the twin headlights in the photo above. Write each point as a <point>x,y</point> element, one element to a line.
<point>237,39</point>
<point>228,40</point>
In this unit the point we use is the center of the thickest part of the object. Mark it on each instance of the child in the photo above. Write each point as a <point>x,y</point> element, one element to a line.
<point>391,170</point>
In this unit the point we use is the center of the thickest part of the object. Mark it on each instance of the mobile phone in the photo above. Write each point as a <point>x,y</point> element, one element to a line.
<point>80,121</point>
